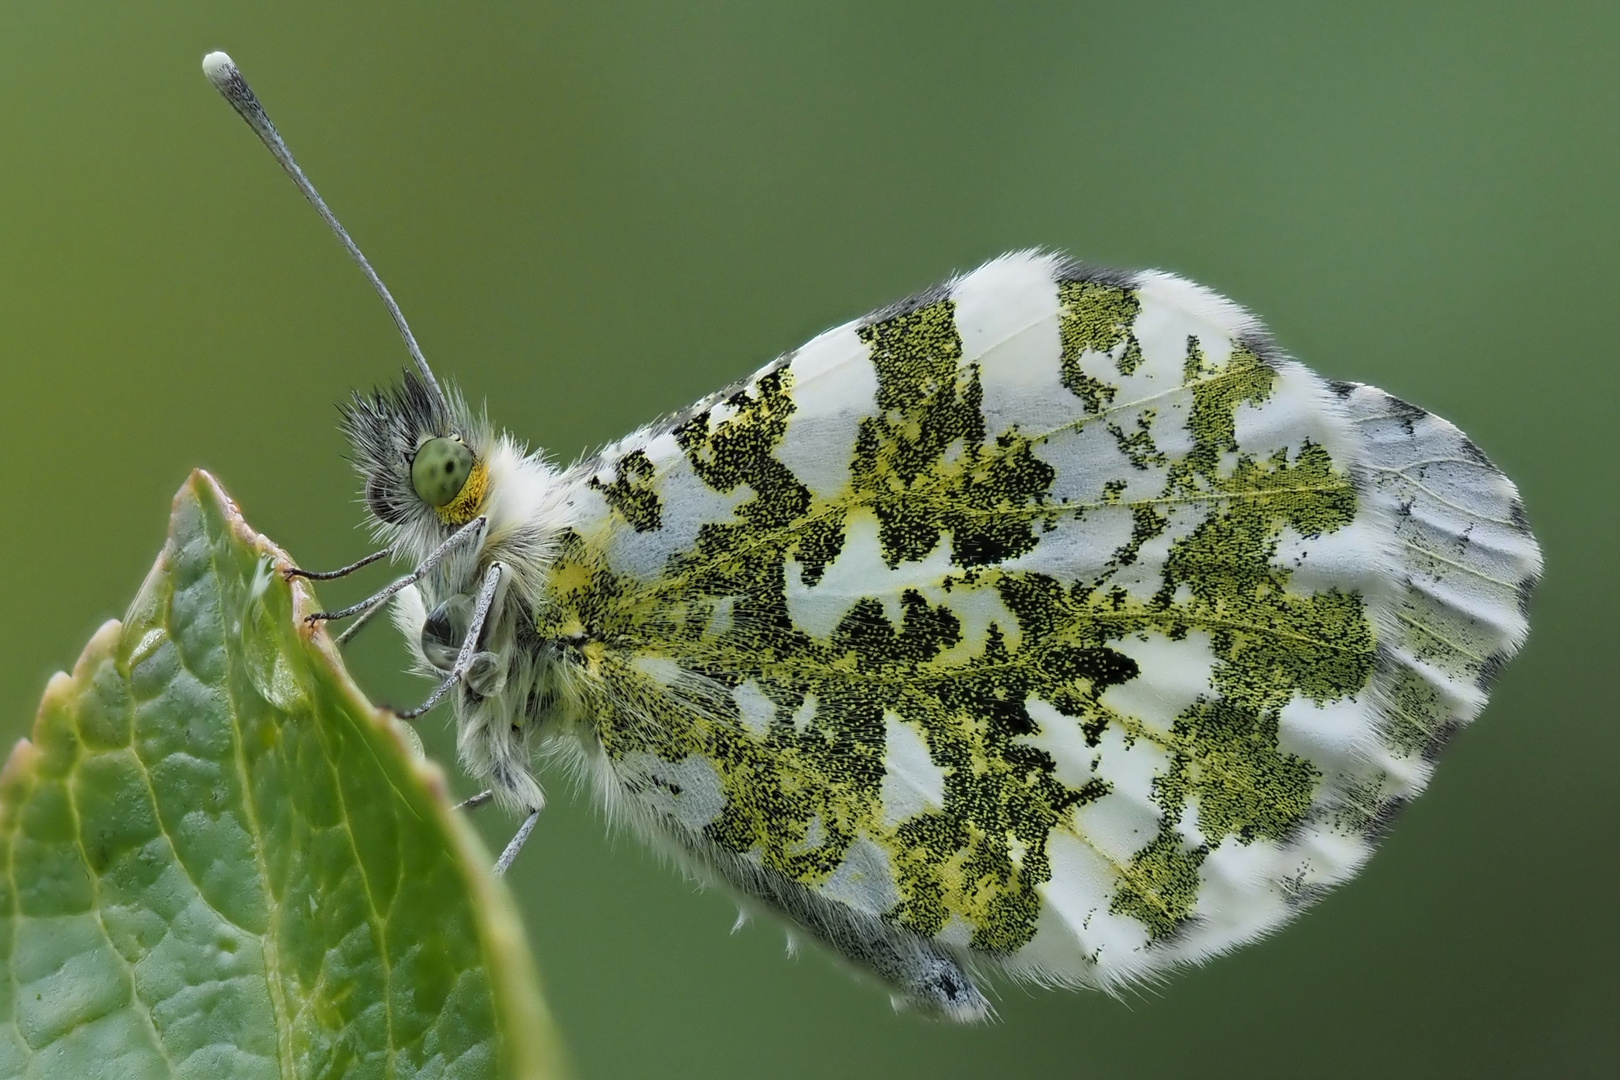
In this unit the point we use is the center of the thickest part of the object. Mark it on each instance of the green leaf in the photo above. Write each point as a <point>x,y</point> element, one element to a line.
<point>220,860</point>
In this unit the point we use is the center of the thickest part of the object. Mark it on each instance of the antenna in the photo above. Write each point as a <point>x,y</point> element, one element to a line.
<point>227,79</point>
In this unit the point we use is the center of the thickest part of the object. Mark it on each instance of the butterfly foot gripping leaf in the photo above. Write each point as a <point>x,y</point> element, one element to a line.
<point>222,861</point>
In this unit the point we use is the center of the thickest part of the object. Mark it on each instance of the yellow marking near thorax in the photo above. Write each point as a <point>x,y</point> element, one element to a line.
<point>469,500</point>
<point>569,576</point>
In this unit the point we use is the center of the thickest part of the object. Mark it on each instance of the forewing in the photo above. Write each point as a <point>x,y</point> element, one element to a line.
<point>1051,616</point>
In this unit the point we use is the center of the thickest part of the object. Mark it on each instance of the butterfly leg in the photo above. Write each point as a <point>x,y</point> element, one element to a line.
<point>467,532</point>
<point>355,627</point>
<point>344,571</point>
<point>469,646</point>
<point>504,863</point>
<point>477,800</point>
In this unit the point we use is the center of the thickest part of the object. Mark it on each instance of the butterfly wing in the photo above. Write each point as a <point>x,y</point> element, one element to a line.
<point>1050,621</point>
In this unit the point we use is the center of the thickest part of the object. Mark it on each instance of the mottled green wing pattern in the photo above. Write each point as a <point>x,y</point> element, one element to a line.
<point>220,861</point>
<point>1051,618</point>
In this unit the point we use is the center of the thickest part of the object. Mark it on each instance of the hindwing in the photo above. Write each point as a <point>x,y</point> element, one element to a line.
<point>1052,618</point>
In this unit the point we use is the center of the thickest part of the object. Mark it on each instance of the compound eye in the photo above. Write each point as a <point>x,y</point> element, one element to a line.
<point>440,470</point>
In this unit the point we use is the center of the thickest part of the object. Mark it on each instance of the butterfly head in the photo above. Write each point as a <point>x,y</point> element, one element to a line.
<point>423,456</point>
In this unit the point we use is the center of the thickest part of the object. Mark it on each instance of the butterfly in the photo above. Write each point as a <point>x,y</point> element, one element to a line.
<point>1051,623</point>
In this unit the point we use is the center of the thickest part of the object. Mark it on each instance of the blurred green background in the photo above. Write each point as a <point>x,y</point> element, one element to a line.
<point>595,213</point>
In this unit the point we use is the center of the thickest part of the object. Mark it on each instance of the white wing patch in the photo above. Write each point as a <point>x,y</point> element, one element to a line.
<point>834,386</point>
<point>1183,669</point>
<point>912,783</point>
<point>857,573</point>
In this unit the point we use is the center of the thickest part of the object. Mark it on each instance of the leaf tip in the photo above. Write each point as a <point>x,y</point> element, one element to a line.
<point>102,643</point>
<point>24,754</point>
